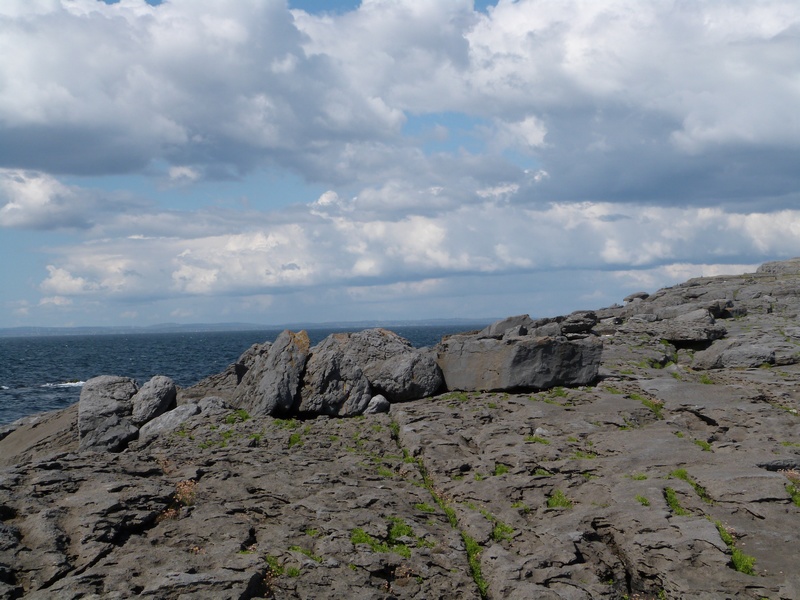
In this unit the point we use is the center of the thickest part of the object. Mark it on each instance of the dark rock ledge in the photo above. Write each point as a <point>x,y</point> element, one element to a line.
<point>649,450</point>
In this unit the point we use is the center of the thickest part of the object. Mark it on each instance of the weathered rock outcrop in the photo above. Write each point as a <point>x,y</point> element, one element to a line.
<point>334,383</point>
<point>153,399</point>
<point>392,365</point>
<point>514,363</point>
<point>104,413</point>
<point>660,480</point>
<point>271,385</point>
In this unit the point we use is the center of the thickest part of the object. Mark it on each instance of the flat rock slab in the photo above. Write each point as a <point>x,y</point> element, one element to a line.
<point>476,363</point>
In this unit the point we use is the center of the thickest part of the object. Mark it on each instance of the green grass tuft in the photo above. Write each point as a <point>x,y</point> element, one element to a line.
<point>699,489</point>
<point>474,560</point>
<point>794,493</point>
<point>704,445</point>
<point>537,439</point>
<point>240,415</point>
<point>743,562</point>
<point>306,552</point>
<point>672,501</point>
<point>581,455</point>
<point>558,500</point>
<point>739,560</point>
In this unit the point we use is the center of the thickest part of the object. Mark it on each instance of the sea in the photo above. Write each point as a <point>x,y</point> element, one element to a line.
<point>45,373</point>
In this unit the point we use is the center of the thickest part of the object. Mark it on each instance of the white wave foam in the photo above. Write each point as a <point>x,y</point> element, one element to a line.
<point>64,385</point>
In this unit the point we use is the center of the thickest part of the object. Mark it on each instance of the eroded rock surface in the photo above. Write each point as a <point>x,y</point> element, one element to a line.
<point>659,480</point>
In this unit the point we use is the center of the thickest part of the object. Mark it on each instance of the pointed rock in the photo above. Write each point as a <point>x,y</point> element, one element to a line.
<point>271,385</point>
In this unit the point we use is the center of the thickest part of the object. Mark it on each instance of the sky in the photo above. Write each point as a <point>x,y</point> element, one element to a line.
<point>265,161</point>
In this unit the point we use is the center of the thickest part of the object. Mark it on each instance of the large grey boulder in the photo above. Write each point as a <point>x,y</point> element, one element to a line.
<point>334,383</point>
<point>271,385</point>
<point>104,413</point>
<point>153,399</point>
<point>734,353</point>
<point>169,421</point>
<point>697,325</point>
<point>471,363</point>
<point>392,365</point>
<point>378,404</point>
<point>578,324</point>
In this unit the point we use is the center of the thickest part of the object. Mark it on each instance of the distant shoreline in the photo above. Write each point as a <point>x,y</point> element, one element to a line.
<point>32,331</point>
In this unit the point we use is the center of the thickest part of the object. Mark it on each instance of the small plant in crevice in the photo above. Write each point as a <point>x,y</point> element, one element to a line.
<point>186,492</point>
<point>240,415</point>
<point>251,549</point>
<point>559,500</point>
<point>581,455</point>
<point>699,489</point>
<point>398,530</point>
<point>739,560</point>
<point>793,487</point>
<point>536,439</point>
<point>656,406</point>
<point>456,396</point>
<point>522,507</point>
<point>306,552</point>
<point>642,500</point>
<point>185,495</point>
<point>500,531</point>
<point>704,445</point>
<point>474,560</point>
<point>674,504</point>
<point>385,472</point>
<point>500,469</point>
<point>274,567</point>
<point>286,423</point>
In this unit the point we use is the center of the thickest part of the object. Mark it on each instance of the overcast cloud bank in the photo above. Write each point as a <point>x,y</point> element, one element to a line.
<point>539,156</point>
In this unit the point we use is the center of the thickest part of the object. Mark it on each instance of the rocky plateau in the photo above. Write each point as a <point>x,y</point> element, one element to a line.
<point>649,450</point>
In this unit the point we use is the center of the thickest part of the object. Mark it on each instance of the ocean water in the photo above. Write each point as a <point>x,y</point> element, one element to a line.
<point>47,373</point>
